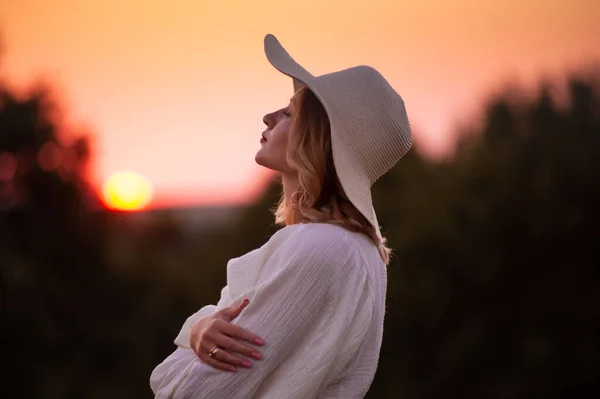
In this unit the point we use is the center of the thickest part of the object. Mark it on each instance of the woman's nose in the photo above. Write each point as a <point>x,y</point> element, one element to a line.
<point>268,120</point>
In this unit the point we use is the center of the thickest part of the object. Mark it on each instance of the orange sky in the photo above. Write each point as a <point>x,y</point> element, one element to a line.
<point>175,90</point>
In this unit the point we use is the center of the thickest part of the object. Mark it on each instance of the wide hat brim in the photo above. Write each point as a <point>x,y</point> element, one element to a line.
<point>360,154</point>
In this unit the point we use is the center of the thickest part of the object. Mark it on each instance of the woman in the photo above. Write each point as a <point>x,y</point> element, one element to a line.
<point>302,316</point>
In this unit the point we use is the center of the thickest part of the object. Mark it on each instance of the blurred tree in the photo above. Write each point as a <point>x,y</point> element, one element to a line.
<point>495,295</point>
<point>67,317</point>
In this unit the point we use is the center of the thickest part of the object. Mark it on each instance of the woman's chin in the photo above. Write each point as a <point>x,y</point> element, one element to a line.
<point>260,160</point>
<point>265,163</point>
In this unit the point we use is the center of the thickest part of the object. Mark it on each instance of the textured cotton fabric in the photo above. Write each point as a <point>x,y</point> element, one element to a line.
<point>317,298</point>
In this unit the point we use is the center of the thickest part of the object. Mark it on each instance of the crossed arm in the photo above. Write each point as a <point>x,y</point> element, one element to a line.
<point>283,310</point>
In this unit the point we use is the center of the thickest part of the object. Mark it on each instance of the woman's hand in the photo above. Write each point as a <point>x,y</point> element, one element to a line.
<point>216,330</point>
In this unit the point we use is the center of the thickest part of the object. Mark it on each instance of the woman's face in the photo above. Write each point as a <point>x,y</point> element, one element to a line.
<point>274,140</point>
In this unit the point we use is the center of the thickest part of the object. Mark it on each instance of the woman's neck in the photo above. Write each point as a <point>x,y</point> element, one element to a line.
<point>290,185</point>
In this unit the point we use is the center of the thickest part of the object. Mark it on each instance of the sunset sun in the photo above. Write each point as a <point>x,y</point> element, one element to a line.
<point>127,191</point>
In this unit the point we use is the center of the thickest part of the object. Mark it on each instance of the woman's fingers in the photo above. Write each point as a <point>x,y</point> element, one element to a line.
<point>223,355</point>
<point>215,362</point>
<point>218,330</point>
<point>233,346</point>
<point>234,310</point>
<point>240,333</point>
<point>234,331</point>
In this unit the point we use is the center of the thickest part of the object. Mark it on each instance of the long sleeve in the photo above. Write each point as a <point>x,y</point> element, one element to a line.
<point>312,278</point>
<point>167,375</point>
<point>164,378</point>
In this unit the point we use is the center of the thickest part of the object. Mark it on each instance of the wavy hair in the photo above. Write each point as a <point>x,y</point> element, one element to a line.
<point>320,196</point>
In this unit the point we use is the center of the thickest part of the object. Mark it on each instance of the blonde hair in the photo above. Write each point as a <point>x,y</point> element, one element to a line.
<point>320,196</point>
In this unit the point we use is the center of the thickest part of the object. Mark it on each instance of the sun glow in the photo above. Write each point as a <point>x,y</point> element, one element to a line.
<point>127,191</point>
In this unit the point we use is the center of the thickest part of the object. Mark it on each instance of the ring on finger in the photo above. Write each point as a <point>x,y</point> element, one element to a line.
<point>213,351</point>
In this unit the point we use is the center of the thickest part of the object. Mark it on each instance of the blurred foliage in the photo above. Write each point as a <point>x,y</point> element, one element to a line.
<point>492,289</point>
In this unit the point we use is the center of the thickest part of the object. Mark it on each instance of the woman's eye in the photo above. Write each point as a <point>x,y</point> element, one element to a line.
<point>286,112</point>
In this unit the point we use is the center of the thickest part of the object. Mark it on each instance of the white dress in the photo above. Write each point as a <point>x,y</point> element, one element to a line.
<point>317,298</point>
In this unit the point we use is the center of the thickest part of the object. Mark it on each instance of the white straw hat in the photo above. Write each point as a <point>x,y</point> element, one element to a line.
<point>370,131</point>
